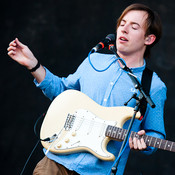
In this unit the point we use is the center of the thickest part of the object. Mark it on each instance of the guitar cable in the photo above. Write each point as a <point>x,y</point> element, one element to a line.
<point>39,139</point>
<point>29,157</point>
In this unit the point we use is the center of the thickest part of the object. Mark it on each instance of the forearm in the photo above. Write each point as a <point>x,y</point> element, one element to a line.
<point>39,74</point>
<point>51,85</point>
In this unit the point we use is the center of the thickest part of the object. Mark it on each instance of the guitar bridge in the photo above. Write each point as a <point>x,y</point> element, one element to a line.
<point>69,122</point>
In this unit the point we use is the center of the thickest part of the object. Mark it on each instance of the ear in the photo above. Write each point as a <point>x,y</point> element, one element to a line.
<point>150,39</point>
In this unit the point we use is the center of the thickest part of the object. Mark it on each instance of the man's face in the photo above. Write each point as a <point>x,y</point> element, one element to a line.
<point>131,33</point>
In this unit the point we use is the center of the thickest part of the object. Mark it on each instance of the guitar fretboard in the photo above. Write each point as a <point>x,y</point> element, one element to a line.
<point>120,133</point>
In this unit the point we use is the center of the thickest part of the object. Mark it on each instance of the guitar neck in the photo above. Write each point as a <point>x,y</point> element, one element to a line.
<point>119,134</point>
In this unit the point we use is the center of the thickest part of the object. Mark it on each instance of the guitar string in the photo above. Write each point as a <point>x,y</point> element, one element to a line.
<point>90,123</point>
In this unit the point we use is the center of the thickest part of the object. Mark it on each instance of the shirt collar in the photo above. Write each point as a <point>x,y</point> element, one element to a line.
<point>137,69</point>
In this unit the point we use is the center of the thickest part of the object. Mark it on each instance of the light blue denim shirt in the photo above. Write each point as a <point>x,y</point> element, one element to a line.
<point>111,87</point>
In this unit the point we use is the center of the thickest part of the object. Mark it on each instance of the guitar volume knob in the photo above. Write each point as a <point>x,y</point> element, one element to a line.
<point>67,140</point>
<point>73,133</point>
<point>59,145</point>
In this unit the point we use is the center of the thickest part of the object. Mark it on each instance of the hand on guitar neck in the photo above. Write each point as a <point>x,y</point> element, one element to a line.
<point>138,143</point>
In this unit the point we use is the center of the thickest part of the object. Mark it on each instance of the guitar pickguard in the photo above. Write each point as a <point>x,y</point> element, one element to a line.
<point>83,131</point>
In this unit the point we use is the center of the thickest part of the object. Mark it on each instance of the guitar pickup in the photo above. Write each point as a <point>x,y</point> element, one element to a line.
<point>69,122</point>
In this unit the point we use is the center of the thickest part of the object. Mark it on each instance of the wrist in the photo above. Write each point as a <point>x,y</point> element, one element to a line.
<point>33,69</point>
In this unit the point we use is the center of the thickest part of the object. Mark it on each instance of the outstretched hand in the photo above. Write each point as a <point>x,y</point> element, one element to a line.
<point>21,54</point>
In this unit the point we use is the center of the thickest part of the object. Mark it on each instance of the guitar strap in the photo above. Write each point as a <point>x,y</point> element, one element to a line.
<point>146,85</point>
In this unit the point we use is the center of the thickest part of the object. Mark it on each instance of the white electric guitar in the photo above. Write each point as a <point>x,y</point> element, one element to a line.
<point>75,123</point>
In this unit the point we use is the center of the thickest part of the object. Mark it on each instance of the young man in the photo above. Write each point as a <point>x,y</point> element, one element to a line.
<point>138,29</point>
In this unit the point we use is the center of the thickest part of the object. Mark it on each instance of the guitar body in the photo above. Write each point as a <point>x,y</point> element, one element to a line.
<point>80,124</point>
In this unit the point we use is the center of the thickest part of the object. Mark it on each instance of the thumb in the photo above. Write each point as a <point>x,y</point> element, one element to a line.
<point>19,43</point>
<point>141,132</point>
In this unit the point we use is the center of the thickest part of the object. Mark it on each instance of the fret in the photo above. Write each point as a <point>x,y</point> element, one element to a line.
<point>114,132</point>
<point>165,144</point>
<point>145,137</point>
<point>150,143</point>
<point>124,135</point>
<point>149,140</point>
<point>160,143</point>
<point>168,146</point>
<point>171,146</point>
<point>109,130</point>
<point>116,135</point>
<point>119,134</point>
<point>155,141</point>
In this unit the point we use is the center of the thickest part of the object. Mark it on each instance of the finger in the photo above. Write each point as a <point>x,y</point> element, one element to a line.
<point>19,43</point>
<point>141,132</point>
<point>11,53</point>
<point>139,145</point>
<point>131,143</point>
<point>143,144</point>
<point>135,143</point>
<point>13,43</point>
<point>11,48</point>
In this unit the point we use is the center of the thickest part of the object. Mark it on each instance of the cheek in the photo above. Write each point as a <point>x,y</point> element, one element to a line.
<point>138,38</point>
<point>117,32</point>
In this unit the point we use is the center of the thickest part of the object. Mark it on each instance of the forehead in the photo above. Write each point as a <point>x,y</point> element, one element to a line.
<point>136,16</point>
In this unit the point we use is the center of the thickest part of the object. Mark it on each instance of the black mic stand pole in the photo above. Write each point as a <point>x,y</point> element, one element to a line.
<point>141,97</point>
<point>134,79</point>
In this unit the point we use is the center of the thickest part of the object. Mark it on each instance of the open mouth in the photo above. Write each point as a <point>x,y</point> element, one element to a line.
<point>123,39</point>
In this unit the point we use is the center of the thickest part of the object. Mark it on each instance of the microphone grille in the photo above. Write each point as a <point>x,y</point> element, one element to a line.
<point>111,37</point>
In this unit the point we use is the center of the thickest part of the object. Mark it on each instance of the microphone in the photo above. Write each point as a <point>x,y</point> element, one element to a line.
<point>110,39</point>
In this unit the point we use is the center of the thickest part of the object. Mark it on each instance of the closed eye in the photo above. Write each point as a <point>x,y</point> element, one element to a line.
<point>135,26</point>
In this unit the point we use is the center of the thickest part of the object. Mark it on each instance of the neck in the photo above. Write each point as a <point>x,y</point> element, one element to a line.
<point>132,60</point>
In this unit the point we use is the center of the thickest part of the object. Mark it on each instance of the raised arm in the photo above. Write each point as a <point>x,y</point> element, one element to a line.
<point>23,55</point>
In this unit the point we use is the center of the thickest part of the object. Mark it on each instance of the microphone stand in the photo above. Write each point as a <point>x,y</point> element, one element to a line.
<point>142,96</point>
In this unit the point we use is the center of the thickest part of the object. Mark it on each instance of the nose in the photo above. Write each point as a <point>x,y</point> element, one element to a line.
<point>125,28</point>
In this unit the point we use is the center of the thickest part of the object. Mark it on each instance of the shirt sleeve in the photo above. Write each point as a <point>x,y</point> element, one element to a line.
<point>53,85</point>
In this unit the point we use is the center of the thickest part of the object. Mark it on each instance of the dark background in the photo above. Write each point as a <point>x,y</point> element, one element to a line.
<point>61,33</point>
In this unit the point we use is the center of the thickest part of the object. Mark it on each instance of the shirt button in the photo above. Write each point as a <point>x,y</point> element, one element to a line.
<point>105,99</point>
<point>111,83</point>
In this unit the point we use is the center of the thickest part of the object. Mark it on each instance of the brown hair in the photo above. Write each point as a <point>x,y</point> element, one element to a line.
<point>153,24</point>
